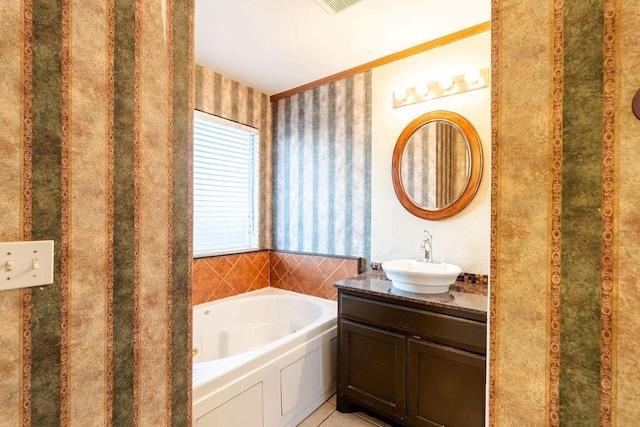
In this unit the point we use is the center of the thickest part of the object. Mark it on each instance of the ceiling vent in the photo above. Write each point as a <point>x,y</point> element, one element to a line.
<point>336,6</point>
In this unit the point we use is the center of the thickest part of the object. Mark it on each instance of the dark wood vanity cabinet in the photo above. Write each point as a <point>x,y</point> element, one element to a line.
<point>445,386</point>
<point>410,364</point>
<point>372,368</point>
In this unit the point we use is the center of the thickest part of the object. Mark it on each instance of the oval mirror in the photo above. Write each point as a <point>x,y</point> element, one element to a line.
<point>437,165</point>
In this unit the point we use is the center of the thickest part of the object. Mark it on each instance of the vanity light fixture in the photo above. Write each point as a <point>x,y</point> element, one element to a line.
<point>446,86</point>
<point>400,95</point>
<point>422,90</point>
<point>472,77</point>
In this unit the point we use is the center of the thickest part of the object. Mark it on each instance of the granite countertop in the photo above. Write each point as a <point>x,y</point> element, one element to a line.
<point>376,283</point>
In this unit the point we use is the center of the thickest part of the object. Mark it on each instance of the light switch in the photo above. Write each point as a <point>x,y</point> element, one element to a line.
<point>25,264</point>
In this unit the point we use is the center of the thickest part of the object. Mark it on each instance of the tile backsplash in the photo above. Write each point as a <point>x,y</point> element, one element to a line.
<point>310,274</point>
<point>226,275</point>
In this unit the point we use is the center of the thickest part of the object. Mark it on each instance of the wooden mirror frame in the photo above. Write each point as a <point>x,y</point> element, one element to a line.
<point>475,151</point>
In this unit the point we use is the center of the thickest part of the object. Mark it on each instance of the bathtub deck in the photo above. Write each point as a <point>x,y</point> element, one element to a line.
<point>327,416</point>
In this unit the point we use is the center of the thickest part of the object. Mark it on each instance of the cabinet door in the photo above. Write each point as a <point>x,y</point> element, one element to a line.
<point>445,386</point>
<point>372,368</point>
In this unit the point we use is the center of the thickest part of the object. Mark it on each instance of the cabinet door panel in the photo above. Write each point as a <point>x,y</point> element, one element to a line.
<point>445,386</point>
<point>372,368</point>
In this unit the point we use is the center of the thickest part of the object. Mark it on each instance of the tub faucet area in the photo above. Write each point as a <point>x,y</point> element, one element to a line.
<point>426,246</point>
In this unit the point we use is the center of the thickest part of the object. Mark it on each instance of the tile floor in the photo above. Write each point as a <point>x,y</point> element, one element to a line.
<point>327,416</point>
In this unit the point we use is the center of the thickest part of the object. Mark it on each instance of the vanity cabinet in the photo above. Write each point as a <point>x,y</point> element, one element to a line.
<point>412,363</point>
<point>445,386</point>
<point>372,368</point>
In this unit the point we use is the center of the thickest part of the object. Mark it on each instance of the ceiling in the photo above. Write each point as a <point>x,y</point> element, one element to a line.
<point>277,45</point>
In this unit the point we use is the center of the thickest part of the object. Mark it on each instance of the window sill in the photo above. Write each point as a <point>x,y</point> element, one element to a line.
<point>230,252</point>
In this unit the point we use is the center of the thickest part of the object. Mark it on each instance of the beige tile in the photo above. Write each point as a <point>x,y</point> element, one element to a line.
<point>370,419</point>
<point>338,419</point>
<point>332,400</point>
<point>318,416</point>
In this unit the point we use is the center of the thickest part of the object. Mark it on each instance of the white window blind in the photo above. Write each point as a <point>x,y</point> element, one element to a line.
<point>225,190</point>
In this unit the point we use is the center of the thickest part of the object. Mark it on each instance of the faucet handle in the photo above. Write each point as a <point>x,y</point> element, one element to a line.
<point>427,239</point>
<point>426,246</point>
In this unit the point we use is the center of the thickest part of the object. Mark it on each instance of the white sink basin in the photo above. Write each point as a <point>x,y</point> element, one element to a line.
<point>421,277</point>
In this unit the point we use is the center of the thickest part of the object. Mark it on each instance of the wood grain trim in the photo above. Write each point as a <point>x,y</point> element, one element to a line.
<point>440,41</point>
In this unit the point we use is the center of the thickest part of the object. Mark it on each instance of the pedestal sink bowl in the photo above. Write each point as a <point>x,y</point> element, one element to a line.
<point>421,277</point>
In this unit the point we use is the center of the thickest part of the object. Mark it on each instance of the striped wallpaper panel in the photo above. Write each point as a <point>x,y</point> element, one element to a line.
<point>564,248</point>
<point>322,169</point>
<point>96,156</point>
<point>218,95</point>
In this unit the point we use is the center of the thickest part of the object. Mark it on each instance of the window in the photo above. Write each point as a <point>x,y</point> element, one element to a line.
<point>225,188</point>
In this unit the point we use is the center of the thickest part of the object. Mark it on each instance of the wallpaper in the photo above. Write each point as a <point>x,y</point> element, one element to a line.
<point>322,169</point>
<point>564,320</point>
<point>218,95</point>
<point>95,128</point>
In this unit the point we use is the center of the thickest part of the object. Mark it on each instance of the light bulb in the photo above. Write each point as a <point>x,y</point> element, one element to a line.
<point>400,94</point>
<point>472,76</point>
<point>422,90</point>
<point>446,83</point>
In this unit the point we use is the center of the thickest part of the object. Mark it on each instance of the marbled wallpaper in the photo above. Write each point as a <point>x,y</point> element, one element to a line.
<point>322,169</point>
<point>219,95</point>
<point>565,299</point>
<point>95,124</point>
<point>94,116</point>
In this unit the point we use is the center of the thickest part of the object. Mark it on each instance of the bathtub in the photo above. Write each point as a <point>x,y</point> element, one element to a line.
<point>265,358</point>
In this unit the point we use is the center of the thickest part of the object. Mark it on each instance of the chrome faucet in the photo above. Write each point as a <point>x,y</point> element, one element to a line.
<point>426,246</point>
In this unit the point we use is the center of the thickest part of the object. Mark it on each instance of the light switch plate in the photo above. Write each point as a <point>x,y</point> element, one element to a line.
<point>26,264</point>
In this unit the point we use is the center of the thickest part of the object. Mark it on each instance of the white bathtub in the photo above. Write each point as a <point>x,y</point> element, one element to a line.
<point>265,358</point>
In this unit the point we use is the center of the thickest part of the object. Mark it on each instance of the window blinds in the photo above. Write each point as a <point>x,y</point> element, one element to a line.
<point>225,190</point>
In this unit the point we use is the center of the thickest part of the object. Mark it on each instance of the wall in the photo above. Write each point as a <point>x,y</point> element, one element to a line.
<point>321,158</point>
<point>222,276</point>
<point>547,362</point>
<point>312,274</point>
<point>227,275</point>
<point>95,127</point>
<point>332,147</point>
<point>396,233</point>
<point>219,95</point>
<point>565,299</point>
